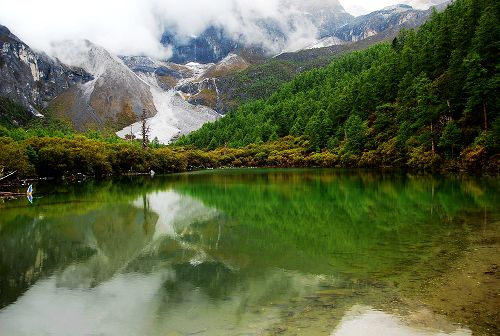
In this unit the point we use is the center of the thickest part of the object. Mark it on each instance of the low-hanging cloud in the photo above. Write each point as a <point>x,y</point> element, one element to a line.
<point>122,26</point>
<point>135,27</point>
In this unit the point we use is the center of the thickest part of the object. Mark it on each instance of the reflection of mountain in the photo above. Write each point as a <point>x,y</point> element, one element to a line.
<point>83,250</point>
<point>89,242</point>
<point>175,300</point>
<point>175,212</point>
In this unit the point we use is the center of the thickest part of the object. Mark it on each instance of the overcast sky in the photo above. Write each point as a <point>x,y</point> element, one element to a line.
<point>134,27</point>
<point>360,7</point>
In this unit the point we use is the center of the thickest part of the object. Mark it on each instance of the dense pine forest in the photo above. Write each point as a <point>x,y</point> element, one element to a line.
<point>429,99</point>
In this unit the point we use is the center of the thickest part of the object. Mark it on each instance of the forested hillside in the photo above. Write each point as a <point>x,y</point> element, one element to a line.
<point>429,97</point>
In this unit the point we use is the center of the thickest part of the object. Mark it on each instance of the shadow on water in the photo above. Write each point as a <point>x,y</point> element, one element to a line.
<point>239,251</point>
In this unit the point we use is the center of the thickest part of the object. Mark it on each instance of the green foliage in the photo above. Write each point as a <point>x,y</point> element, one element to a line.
<point>14,157</point>
<point>13,115</point>
<point>391,99</point>
<point>450,137</point>
<point>356,132</point>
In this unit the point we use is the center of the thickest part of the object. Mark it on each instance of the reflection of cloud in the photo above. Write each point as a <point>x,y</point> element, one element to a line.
<point>133,304</point>
<point>123,306</point>
<point>366,321</point>
<point>175,212</point>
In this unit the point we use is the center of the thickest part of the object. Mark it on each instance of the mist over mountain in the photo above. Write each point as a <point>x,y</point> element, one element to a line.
<point>137,27</point>
<point>293,26</point>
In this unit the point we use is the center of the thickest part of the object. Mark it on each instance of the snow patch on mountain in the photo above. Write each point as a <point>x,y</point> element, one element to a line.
<point>175,117</point>
<point>327,42</point>
<point>424,4</point>
<point>197,70</point>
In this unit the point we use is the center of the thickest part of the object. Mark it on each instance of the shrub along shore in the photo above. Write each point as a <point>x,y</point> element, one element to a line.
<point>69,155</point>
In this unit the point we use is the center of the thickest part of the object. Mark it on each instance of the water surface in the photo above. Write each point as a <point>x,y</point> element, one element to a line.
<point>252,252</point>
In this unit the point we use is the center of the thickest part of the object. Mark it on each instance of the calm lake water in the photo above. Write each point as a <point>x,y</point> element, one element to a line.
<point>253,252</point>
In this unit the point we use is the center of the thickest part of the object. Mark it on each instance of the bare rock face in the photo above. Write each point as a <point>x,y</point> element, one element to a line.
<point>365,26</point>
<point>115,97</point>
<point>33,79</point>
<point>325,15</point>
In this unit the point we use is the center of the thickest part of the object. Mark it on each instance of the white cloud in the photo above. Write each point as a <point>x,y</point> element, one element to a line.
<point>360,7</point>
<point>122,26</point>
<point>134,27</point>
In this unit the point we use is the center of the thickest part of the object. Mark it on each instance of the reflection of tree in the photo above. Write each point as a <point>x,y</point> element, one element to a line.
<point>146,210</point>
<point>215,279</point>
<point>332,220</point>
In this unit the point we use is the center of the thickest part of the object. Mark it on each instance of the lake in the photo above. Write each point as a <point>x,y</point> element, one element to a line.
<point>253,252</point>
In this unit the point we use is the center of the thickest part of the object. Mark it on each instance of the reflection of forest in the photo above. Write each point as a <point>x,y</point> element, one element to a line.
<point>330,221</point>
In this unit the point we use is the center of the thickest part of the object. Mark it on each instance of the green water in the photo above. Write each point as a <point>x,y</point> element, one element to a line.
<point>237,252</point>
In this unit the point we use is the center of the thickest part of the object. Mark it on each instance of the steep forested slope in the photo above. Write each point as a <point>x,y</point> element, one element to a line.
<point>430,95</point>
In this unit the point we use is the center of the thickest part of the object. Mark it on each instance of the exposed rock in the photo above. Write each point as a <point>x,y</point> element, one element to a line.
<point>401,16</point>
<point>114,98</point>
<point>33,79</point>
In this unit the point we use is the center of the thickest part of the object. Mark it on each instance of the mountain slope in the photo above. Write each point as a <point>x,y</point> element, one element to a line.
<point>30,78</point>
<point>175,117</point>
<point>260,80</point>
<point>115,96</point>
<point>428,96</point>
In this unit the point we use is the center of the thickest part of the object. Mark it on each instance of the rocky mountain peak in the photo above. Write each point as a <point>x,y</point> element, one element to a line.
<point>30,78</point>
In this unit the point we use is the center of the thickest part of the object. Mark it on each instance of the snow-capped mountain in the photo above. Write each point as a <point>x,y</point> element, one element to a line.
<point>196,83</point>
<point>95,89</point>
<point>32,79</point>
<point>117,96</point>
<point>400,16</point>
<point>388,21</point>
